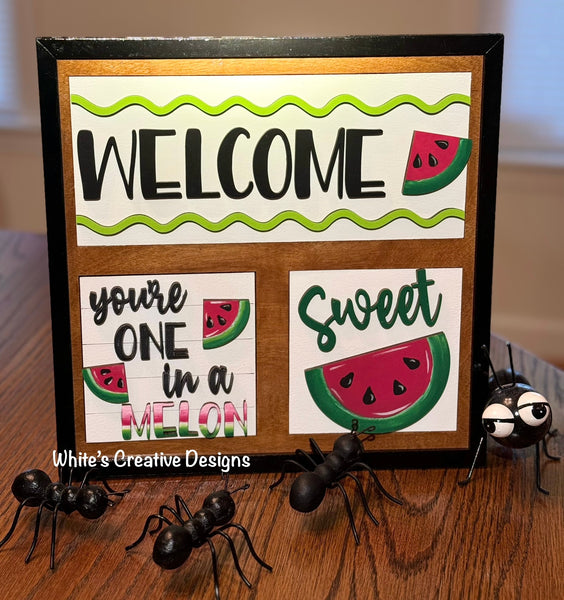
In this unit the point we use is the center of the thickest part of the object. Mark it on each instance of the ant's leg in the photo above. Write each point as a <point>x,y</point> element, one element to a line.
<point>89,473</point>
<point>36,532</point>
<point>234,554</point>
<point>362,497</point>
<point>283,474</point>
<point>15,521</point>
<point>376,481</point>
<point>146,528</point>
<point>249,543</point>
<point>54,535</point>
<point>112,491</point>
<point>537,465</point>
<point>552,433</point>
<point>174,513</point>
<point>349,511</point>
<point>181,504</point>
<point>214,564</point>
<point>471,471</point>
<point>307,457</point>
<point>316,449</point>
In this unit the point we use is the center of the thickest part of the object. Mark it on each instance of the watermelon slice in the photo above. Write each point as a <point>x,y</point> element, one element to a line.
<point>389,388</point>
<point>224,320</point>
<point>107,382</point>
<point>435,161</point>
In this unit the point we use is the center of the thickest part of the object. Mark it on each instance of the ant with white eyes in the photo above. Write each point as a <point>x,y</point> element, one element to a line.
<point>516,415</point>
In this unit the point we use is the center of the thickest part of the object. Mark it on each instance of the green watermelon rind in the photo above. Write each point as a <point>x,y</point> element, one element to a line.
<point>432,184</point>
<point>332,407</point>
<point>106,395</point>
<point>234,331</point>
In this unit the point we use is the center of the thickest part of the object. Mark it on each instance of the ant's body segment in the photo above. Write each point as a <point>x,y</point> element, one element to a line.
<point>308,490</point>
<point>174,543</point>
<point>515,416</point>
<point>34,488</point>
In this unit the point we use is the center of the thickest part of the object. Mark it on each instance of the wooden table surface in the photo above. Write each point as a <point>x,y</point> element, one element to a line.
<point>496,538</point>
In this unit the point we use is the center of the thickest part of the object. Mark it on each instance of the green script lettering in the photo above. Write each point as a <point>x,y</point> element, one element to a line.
<point>412,301</point>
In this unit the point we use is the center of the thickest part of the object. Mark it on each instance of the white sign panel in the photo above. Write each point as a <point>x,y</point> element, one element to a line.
<point>377,346</point>
<point>168,356</point>
<point>269,158</point>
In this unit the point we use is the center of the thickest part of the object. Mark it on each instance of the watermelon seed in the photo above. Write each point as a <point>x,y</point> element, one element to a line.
<point>221,320</point>
<point>369,397</point>
<point>442,144</point>
<point>120,383</point>
<point>209,322</point>
<point>411,363</point>
<point>399,388</point>
<point>105,371</point>
<point>433,160</point>
<point>108,380</point>
<point>417,163</point>
<point>226,307</point>
<point>347,380</point>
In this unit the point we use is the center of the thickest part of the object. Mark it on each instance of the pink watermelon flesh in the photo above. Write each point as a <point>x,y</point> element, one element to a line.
<point>110,377</point>
<point>219,315</point>
<point>430,155</point>
<point>383,383</point>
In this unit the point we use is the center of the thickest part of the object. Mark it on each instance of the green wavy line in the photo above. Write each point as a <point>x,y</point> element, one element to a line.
<point>267,111</point>
<point>266,226</point>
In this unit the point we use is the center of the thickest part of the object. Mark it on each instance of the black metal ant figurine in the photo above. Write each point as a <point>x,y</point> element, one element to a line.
<point>516,415</point>
<point>308,490</point>
<point>35,488</point>
<point>175,542</point>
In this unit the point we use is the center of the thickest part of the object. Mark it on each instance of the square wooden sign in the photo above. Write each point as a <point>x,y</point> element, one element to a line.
<point>257,241</point>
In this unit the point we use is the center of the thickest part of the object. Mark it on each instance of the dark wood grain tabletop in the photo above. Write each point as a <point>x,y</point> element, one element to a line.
<point>498,537</point>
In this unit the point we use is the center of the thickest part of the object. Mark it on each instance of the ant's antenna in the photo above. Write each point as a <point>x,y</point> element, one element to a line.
<point>511,362</point>
<point>225,477</point>
<point>485,351</point>
<point>243,487</point>
<point>369,431</point>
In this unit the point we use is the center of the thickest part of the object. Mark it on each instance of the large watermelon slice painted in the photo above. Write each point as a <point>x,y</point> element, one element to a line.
<point>107,382</point>
<point>435,160</point>
<point>224,320</point>
<point>389,388</point>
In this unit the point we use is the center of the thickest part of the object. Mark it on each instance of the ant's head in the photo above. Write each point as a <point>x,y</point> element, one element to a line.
<point>516,415</point>
<point>349,446</point>
<point>91,501</point>
<point>221,504</point>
